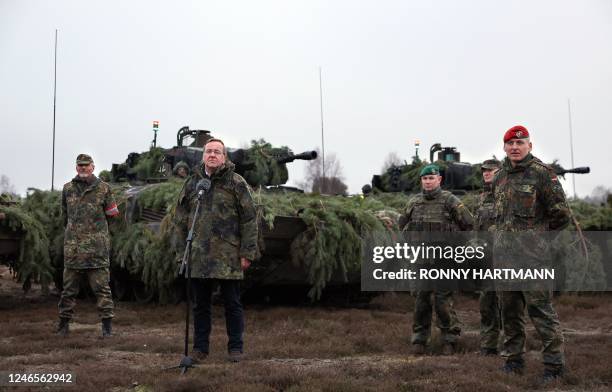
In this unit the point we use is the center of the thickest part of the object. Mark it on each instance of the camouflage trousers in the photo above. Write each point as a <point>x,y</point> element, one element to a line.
<point>544,319</point>
<point>98,281</point>
<point>489,320</point>
<point>446,318</point>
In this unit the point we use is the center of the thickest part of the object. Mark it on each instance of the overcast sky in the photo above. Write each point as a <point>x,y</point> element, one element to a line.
<point>455,72</point>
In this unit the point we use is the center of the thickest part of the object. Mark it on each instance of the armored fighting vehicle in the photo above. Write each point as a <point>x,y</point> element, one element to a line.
<point>458,177</point>
<point>261,165</point>
<point>147,184</point>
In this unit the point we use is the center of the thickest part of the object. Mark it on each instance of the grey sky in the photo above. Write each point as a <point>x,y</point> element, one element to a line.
<point>455,72</point>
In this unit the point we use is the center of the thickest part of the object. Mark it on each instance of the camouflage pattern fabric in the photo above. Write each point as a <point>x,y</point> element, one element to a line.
<point>544,318</point>
<point>529,198</point>
<point>227,226</point>
<point>446,318</point>
<point>489,320</point>
<point>98,279</point>
<point>86,204</point>
<point>437,210</point>
<point>485,214</point>
<point>490,323</point>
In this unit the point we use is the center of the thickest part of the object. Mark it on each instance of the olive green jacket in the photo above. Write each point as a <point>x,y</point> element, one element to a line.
<point>86,205</point>
<point>226,229</point>
<point>437,210</point>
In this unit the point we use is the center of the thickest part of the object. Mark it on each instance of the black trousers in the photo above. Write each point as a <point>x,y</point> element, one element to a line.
<point>202,290</point>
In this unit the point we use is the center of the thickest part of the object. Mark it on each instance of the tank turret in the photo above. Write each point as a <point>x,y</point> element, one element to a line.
<point>261,164</point>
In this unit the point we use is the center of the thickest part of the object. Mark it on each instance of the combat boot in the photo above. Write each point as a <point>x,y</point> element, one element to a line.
<point>107,330</point>
<point>63,327</point>
<point>552,373</point>
<point>488,352</point>
<point>514,366</point>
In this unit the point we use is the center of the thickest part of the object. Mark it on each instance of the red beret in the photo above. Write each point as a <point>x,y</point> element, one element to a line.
<point>516,132</point>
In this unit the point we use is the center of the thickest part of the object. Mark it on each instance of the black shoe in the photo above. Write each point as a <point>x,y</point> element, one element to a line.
<point>489,351</point>
<point>234,356</point>
<point>63,327</point>
<point>107,330</point>
<point>514,366</point>
<point>198,356</point>
<point>552,373</point>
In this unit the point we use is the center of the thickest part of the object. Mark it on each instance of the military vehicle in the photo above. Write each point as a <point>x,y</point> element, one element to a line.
<point>458,177</point>
<point>147,184</point>
<point>307,242</point>
<point>260,165</point>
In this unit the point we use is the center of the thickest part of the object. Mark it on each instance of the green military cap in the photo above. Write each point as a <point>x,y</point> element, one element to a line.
<point>430,170</point>
<point>83,159</point>
<point>490,164</point>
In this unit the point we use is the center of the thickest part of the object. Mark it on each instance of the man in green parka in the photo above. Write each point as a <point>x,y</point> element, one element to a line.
<point>224,245</point>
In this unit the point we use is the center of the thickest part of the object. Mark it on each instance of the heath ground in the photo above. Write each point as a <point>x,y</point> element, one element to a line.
<point>320,347</point>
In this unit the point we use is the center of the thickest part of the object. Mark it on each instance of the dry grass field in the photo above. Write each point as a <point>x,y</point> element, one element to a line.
<point>307,348</point>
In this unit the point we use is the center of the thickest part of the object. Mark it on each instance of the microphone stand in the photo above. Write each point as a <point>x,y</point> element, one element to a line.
<point>187,362</point>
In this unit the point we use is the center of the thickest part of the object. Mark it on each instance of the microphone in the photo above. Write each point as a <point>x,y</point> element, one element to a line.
<point>202,187</point>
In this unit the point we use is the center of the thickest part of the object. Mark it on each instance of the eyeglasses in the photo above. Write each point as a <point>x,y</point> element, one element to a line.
<point>213,152</point>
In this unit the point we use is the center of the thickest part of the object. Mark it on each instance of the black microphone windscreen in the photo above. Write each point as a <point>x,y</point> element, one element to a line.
<point>203,185</point>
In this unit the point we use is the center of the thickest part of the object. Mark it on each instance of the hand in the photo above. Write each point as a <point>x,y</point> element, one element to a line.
<point>244,263</point>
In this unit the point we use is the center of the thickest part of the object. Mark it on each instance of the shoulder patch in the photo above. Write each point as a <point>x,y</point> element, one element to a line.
<point>545,169</point>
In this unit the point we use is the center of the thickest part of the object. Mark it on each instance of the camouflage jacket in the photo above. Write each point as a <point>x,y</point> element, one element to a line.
<point>529,197</point>
<point>437,210</point>
<point>485,214</point>
<point>86,205</point>
<point>227,226</point>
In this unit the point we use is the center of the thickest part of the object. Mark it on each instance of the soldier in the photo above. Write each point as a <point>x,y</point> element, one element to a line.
<point>87,203</point>
<point>225,243</point>
<point>529,197</point>
<point>489,303</point>
<point>435,210</point>
<point>181,170</point>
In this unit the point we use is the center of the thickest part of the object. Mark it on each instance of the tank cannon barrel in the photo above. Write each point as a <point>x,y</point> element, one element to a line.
<point>305,156</point>
<point>577,170</point>
<point>240,159</point>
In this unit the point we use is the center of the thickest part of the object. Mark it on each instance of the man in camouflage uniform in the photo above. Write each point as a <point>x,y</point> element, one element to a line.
<point>434,210</point>
<point>529,199</point>
<point>224,244</point>
<point>181,170</point>
<point>489,302</point>
<point>87,203</point>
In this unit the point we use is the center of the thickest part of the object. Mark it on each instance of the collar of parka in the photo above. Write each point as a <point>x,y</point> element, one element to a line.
<point>87,181</point>
<point>430,195</point>
<point>520,166</point>
<point>221,173</point>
